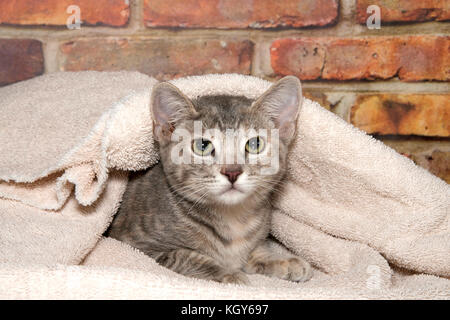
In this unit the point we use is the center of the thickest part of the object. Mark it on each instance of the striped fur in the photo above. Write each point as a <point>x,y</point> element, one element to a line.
<point>172,212</point>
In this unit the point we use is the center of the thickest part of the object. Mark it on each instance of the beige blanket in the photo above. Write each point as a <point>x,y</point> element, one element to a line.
<point>372,223</point>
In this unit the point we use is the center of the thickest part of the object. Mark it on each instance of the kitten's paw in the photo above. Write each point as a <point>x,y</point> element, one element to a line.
<point>299,270</point>
<point>293,269</point>
<point>235,277</point>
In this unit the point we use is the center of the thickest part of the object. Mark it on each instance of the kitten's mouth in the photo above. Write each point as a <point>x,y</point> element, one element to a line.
<point>232,195</point>
<point>232,190</point>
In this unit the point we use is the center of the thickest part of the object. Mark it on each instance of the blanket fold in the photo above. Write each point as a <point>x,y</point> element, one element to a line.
<point>351,206</point>
<point>63,131</point>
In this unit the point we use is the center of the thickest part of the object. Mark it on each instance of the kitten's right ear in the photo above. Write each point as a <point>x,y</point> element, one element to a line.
<point>168,106</point>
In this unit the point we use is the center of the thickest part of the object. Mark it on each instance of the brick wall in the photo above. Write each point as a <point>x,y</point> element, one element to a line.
<point>392,82</point>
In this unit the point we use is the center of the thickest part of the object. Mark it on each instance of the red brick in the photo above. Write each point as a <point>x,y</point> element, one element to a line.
<point>302,57</point>
<point>54,12</point>
<point>405,10</point>
<point>424,58</point>
<point>318,97</point>
<point>404,114</point>
<point>360,59</point>
<point>410,58</point>
<point>20,59</point>
<point>438,163</point>
<point>239,14</point>
<point>161,58</point>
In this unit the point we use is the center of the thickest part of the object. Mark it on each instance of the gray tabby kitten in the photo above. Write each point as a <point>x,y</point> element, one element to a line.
<point>211,220</point>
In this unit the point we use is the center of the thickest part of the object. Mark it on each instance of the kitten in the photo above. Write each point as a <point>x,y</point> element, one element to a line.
<point>206,217</point>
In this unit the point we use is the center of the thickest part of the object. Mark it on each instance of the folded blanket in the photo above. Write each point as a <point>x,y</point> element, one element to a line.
<point>373,224</point>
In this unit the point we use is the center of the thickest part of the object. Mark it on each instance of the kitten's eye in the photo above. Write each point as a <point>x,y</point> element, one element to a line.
<point>255,145</point>
<point>202,147</point>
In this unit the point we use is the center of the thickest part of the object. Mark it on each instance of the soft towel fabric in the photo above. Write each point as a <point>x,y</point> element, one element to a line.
<point>368,219</point>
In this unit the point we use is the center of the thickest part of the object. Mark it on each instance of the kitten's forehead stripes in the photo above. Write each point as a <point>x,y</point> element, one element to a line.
<point>224,112</point>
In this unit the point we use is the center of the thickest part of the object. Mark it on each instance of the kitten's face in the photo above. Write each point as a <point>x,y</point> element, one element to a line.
<point>225,150</point>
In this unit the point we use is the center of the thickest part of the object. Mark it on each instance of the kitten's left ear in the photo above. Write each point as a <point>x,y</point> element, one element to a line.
<point>282,102</point>
<point>168,106</point>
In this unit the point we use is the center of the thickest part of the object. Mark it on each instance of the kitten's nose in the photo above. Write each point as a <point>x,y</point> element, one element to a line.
<point>231,172</point>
